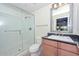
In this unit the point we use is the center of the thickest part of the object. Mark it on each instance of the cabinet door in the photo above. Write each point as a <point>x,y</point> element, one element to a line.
<point>48,50</point>
<point>68,47</point>
<point>65,53</point>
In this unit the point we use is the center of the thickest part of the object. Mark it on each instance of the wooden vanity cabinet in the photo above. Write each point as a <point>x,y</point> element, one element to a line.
<point>65,49</point>
<point>50,43</point>
<point>49,50</point>
<point>65,53</point>
<point>68,47</point>
<point>55,48</point>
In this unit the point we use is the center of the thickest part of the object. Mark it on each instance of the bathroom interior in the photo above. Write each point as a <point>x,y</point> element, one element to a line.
<point>39,29</point>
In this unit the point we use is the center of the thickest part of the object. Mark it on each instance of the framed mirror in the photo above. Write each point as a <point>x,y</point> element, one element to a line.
<point>61,17</point>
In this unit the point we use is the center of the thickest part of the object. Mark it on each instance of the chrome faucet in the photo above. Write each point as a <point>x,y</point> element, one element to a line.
<point>59,33</point>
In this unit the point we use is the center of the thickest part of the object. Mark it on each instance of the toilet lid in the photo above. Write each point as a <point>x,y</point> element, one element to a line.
<point>34,47</point>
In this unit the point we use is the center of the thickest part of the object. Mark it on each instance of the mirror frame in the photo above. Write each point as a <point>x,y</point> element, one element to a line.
<point>70,17</point>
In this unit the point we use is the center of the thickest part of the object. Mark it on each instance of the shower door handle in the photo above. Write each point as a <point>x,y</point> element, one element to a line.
<point>13,31</point>
<point>30,28</point>
<point>19,49</point>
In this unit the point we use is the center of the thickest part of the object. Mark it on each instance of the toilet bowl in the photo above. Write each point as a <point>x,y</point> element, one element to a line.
<point>35,49</point>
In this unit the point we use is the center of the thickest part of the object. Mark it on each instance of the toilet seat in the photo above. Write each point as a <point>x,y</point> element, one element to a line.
<point>34,48</point>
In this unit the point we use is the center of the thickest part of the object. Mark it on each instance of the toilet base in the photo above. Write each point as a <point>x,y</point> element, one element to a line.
<point>35,53</point>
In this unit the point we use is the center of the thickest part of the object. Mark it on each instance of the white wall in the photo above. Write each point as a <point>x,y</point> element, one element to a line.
<point>42,22</point>
<point>78,19</point>
<point>61,10</point>
<point>75,18</point>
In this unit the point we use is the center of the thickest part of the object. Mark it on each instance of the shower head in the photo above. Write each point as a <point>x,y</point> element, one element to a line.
<point>27,17</point>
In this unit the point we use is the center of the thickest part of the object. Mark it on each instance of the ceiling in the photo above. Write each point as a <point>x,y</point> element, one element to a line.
<point>30,7</point>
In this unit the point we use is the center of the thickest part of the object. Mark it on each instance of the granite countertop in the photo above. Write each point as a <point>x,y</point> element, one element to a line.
<point>66,39</point>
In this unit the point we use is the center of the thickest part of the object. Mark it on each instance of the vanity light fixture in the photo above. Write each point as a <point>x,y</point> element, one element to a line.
<point>57,5</point>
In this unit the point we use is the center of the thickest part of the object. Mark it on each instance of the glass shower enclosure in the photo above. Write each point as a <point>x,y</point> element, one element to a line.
<point>16,34</point>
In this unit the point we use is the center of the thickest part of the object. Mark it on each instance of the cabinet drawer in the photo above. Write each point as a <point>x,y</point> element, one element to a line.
<point>50,42</point>
<point>68,47</point>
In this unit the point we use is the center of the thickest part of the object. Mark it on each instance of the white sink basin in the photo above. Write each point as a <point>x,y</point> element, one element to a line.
<point>61,38</point>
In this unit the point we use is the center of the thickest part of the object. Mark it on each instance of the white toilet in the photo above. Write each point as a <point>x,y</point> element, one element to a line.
<point>35,49</point>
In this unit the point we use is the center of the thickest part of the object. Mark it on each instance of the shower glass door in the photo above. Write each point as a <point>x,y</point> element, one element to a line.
<point>16,34</point>
<point>28,37</point>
